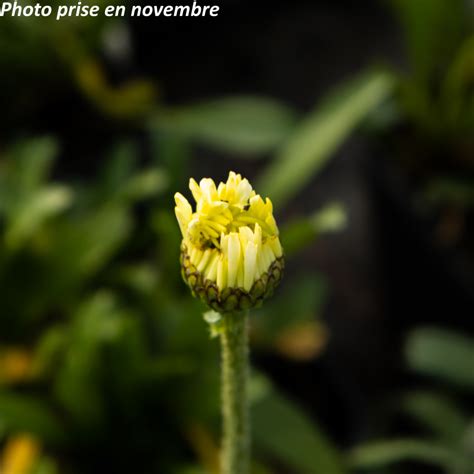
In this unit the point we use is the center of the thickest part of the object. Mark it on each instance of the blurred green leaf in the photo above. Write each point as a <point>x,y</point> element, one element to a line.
<point>45,466</point>
<point>32,211</point>
<point>49,349</point>
<point>26,414</point>
<point>61,260</point>
<point>437,413</point>
<point>433,30</point>
<point>24,198</point>
<point>319,136</point>
<point>31,161</point>
<point>97,323</point>
<point>381,453</point>
<point>147,183</point>
<point>255,469</point>
<point>122,181</point>
<point>83,243</point>
<point>442,354</point>
<point>297,234</point>
<point>457,93</point>
<point>120,164</point>
<point>142,278</point>
<point>468,438</point>
<point>245,125</point>
<point>284,432</point>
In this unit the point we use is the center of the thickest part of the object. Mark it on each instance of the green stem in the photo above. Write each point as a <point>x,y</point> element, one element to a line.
<point>235,373</point>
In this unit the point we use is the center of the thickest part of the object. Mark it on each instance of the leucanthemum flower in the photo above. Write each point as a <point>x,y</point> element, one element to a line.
<point>231,256</point>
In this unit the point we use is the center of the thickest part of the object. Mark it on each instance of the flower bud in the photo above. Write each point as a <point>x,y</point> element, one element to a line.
<point>231,256</point>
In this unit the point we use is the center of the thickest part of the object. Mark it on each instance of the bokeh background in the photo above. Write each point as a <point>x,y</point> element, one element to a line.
<point>357,119</point>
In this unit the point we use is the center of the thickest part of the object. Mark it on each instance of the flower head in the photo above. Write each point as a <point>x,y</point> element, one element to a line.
<point>231,255</point>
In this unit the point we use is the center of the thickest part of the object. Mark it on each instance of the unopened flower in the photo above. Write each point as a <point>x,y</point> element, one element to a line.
<point>231,256</point>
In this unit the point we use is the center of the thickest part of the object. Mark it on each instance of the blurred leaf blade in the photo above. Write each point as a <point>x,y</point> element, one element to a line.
<point>382,453</point>
<point>297,234</point>
<point>442,354</point>
<point>45,465</point>
<point>145,184</point>
<point>85,243</point>
<point>36,209</point>
<point>456,95</point>
<point>244,125</point>
<point>437,413</point>
<point>24,413</point>
<point>32,160</point>
<point>319,136</point>
<point>97,322</point>
<point>433,30</point>
<point>306,450</point>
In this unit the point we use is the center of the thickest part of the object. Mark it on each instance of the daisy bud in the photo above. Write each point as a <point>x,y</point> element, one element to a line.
<point>231,256</point>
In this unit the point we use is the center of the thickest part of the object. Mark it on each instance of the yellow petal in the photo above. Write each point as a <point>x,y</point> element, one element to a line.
<point>240,274</point>
<point>232,236</point>
<point>221,279</point>
<point>195,255</point>
<point>269,205</point>
<point>257,236</point>
<point>245,234</point>
<point>181,221</point>
<point>233,256</point>
<point>221,191</point>
<point>211,271</point>
<point>261,267</point>
<point>243,191</point>
<point>208,188</point>
<point>268,255</point>
<point>183,203</point>
<point>276,247</point>
<point>204,261</point>
<point>195,190</point>
<point>250,265</point>
<point>183,212</point>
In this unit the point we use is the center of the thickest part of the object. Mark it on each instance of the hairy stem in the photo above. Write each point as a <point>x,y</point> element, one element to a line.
<point>235,373</point>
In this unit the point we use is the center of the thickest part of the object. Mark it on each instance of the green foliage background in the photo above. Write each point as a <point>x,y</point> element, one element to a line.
<point>104,357</point>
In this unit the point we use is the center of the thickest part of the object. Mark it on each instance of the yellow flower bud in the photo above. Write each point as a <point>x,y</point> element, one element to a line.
<point>231,256</point>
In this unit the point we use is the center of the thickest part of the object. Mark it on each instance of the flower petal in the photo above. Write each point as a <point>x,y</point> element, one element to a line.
<point>233,256</point>
<point>195,190</point>
<point>250,265</point>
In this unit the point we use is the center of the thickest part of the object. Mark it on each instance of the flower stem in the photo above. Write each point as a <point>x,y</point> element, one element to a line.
<point>235,373</point>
